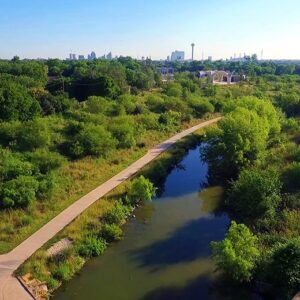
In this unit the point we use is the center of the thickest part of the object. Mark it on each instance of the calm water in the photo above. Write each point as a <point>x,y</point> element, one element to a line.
<point>165,251</point>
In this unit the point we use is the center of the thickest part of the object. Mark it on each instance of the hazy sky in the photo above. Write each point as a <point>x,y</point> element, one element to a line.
<point>220,28</point>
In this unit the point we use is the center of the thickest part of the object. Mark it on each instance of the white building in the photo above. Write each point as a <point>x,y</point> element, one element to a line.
<point>177,56</point>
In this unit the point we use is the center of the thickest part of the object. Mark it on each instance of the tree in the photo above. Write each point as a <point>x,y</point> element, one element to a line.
<point>16,103</point>
<point>18,192</point>
<point>141,189</point>
<point>92,140</point>
<point>239,140</point>
<point>124,131</point>
<point>237,254</point>
<point>33,135</point>
<point>291,177</point>
<point>285,268</point>
<point>256,194</point>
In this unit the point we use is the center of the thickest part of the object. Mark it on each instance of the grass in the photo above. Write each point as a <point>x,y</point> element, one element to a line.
<point>54,271</point>
<point>75,179</point>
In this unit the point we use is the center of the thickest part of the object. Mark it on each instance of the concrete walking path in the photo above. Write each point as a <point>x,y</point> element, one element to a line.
<point>10,288</point>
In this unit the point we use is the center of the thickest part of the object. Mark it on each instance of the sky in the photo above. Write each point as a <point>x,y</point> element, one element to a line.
<point>153,28</point>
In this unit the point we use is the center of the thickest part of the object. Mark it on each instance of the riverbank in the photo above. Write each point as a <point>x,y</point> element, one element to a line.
<point>61,268</point>
<point>27,248</point>
<point>165,252</point>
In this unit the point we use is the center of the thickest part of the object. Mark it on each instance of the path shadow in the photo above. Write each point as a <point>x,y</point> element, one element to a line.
<point>186,244</point>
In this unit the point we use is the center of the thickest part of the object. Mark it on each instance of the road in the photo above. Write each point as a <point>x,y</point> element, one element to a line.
<point>10,288</point>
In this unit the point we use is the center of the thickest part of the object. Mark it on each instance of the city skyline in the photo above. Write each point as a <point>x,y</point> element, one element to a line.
<point>150,29</point>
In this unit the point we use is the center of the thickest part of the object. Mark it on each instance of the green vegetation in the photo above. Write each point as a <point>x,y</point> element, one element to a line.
<point>237,254</point>
<point>254,151</point>
<point>68,126</point>
<point>101,223</point>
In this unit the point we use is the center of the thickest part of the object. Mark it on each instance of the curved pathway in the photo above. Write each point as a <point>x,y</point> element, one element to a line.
<point>10,288</point>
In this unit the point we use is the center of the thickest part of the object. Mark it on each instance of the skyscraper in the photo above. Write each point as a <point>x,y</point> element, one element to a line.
<point>177,56</point>
<point>192,45</point>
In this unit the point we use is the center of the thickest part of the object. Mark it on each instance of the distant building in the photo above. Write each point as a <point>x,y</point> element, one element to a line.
<point>166,73</point>
<point>109,56</point>
<point>209,58</point>
<point>93,55</point>
<point>221,77</point>
<point>177,56</point>
<point>81,57</point>
<point>72,56</point>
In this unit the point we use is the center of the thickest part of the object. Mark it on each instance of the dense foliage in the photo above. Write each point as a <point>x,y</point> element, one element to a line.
<point>66,125</point>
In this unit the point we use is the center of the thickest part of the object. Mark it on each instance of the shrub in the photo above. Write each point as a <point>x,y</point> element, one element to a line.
<point>237,254</point>
<point>256,194</point>
<point>285,269</point>
<point>124,131</point>
<point>16,103</point>
<point>47,184</point>
<point>33,134</point>
<point>9,132</point>
<point>141,189</point>
<point>92,140</point>
<point>111,232</point>
<point>155,103</point>
<point>291,177</point>
<point>46,160</point>
<point>12,166</point>
<point>170,119</point>
<point>18,192</point>
<point>117,214</point>
<point>150,121</point>
<point>91,247</point>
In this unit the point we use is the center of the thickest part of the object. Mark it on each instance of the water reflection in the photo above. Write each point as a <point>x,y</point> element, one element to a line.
<point>166,250</point>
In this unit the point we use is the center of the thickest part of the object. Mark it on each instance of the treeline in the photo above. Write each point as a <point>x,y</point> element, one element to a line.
<point>254,151</point>
<point>251,67</point>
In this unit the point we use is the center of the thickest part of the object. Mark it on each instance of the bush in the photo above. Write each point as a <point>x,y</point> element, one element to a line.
<point>237,254</point>
<point>124,131</point>
<point>149,121</point>
<point>291,177</point>
<point>47,184</point>
<point>111,232</point>
<point>65,270</point>
<point>18,192</point>
<point>91,247</point>
<point>92,140</point>
<point>285,269</point>
<point>16,103</point>
<point>255,194</point>
<point>201,106</point>
<point>155,103</point>
<point>141,189</point>
<point>117,214</point>
<point>33,134</point>
<point>170,120</point>
<point>45,160</point>
<point>9,132</point>
<point>12,166</point>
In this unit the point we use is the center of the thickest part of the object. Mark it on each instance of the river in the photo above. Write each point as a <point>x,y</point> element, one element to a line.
<point>165,253</point>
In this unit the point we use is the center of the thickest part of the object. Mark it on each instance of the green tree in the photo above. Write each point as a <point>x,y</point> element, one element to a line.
<point>237,254</point>
<point>140,189</point>
<point>18,192</point>
<point>16,103</point>
<point>255,194</point>
<point>92,140</point>
<point>240,139</point>
<point>285,268</point>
